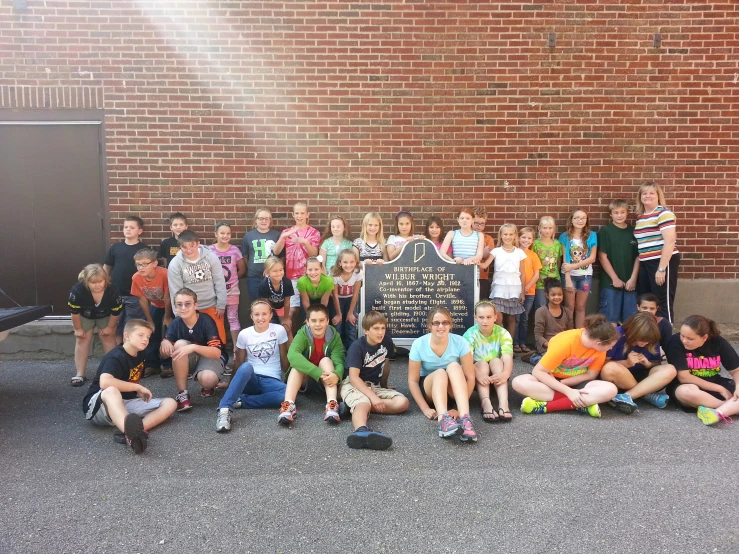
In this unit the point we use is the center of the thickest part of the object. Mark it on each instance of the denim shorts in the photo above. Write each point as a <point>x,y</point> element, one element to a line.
<point>580,282</point>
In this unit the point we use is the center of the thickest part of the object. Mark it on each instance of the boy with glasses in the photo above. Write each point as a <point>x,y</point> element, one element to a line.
<point>149,285</point>
<point>193,342</point>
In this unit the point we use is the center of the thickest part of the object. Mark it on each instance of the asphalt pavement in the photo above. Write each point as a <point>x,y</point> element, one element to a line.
<point>657,481</point>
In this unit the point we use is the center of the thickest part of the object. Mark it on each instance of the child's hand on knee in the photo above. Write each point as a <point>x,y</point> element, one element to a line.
<point>330,379</point>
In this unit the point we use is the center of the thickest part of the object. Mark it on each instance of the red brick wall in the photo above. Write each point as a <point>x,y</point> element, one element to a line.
<point>215,108</point>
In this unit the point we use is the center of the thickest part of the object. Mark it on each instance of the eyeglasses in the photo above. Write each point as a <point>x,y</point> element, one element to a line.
<point>441,324</point>
<point>579,219</point>
<point>263,219</point>
<point>142,264</point>
<point>478,223</point>
<point>181,305</point>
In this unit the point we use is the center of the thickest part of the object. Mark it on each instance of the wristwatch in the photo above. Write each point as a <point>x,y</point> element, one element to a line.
<point>661,269</point>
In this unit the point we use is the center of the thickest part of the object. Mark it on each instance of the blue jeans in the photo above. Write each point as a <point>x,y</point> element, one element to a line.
<point>252,286</point>
<point>131,310</point>
<point>617,304</point>
<point>255,391</point>
<point>346,330</point>
<point>522,321</point>
<point>534,359</point>
<point>152,350</point>
<point>540,299</point>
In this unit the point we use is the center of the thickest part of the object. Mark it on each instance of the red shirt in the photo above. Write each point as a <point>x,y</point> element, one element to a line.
<point>317,355</point>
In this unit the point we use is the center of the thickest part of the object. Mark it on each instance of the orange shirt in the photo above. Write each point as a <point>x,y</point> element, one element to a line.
<point>488,242</point>
<point>530,264</point>
<point>155,291</point>
<point>566,356</point>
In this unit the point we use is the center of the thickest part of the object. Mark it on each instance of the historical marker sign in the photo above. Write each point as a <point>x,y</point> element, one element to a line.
<point>417,280</point>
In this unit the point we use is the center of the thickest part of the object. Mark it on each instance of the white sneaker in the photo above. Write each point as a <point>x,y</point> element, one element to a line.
<point>223,423</point>
<point>331,413</point>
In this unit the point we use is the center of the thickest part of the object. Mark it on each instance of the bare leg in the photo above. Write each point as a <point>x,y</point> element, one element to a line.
<point>161,414</point>
<point>295,380</point>
<point>107,342</point>
<point>360,414</point>
<point>528,385</point>
<point>327,366</point>
<point>581,298</point>
<point>180,367</point>
<point>694,396</point>
<point>484,391</point>
<point>436,388</point>
<point>496,366</point>
<point>82,352</point>
<point>117,412</point>
<point>459,387</point>
<point>207,379</point>
<point>599,391</point>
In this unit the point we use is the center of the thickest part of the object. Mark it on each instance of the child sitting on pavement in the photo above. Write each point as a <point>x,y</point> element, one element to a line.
<point>115,396</point>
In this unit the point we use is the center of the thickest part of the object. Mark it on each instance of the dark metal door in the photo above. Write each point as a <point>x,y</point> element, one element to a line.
<point>51,209</point>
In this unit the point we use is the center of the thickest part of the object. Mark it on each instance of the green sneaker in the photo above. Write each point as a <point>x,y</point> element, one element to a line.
<point>593,410</point>
<point>531,406</point>
<point>707,415</point>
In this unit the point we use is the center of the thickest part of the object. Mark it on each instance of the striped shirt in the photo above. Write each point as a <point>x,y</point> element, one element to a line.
<point>648,232</point>
<point>465,247</point>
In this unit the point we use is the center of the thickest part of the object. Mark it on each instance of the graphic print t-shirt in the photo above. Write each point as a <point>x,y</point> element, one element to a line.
<point>567,357</point>
<point>263,349</point>
<point>704,362</point>
<point>346,288</point>
<point>155,291</point>
<point>203,333</point>
<point>369,359</point>
<point>257,247</point>
<point>228,261</point>
<point>276,296</point>
<point>121,365</point>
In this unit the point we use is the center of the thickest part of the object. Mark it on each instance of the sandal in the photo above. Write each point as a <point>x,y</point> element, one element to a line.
<point>517,349</point>
<point>491,416</point>
<point>78,380</point>
<point>524,349</point>
<point>502,416</point>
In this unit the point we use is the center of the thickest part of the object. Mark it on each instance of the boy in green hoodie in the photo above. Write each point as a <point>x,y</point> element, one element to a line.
<point>315,352</point>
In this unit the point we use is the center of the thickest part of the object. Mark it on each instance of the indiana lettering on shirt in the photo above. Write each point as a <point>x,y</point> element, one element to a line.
<point>703,366</point>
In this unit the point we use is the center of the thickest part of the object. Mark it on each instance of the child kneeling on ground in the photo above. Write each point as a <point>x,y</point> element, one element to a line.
<point>365,389</point>
<point>316,353</point>
<point>115,396</point>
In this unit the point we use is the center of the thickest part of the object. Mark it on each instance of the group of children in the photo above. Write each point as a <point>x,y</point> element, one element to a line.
<point>132,297</point>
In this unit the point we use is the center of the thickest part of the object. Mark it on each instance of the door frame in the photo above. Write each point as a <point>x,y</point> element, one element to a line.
<point>43,117</point>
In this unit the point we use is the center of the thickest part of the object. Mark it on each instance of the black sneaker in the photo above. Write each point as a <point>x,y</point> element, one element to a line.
<point>119,438</point>
<point>136,437</point>
<point>364,437</point>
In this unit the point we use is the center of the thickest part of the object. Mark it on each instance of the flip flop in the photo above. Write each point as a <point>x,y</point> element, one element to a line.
<point>491,416</point>
<point>78,381</point>
<point>501,416</point>
<point>517,349</point>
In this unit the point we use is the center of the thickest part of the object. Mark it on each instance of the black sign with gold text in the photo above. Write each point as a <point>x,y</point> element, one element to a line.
<point>416,281</point>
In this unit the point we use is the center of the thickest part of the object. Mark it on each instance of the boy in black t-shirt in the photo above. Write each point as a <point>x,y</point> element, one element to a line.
<point>115,396</point>
<point>365,389</point>
<point>193,341</point>
<point>169,247</point>
<point>120,265</point>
